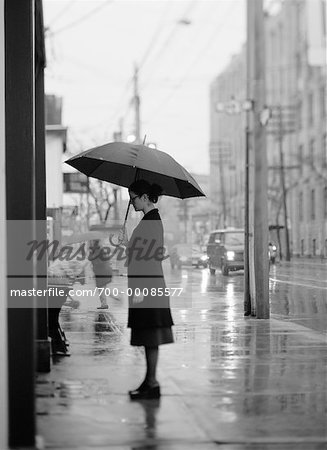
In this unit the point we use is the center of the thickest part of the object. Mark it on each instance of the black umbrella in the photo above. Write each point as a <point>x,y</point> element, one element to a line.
<point>121,163</point>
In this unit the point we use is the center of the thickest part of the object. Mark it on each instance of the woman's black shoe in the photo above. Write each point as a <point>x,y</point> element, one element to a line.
<point>145,393</point>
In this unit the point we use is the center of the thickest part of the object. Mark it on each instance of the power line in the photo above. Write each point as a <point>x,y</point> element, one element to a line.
<point>129,82</point>
<point>148,51</point>
<point>82,19</point>
<point>62,12</point>
<point>199,55</point>
<point>169,38</point>
<point>155,35</point>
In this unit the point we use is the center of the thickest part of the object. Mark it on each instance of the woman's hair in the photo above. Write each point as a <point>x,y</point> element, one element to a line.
<point>141,187</point>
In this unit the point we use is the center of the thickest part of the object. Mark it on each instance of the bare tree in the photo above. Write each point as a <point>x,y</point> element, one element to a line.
<point>102,195</point>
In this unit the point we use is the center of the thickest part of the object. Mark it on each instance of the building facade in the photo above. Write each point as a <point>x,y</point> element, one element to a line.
<point>56,135</point>
<point>296,96</point>
<point>227,145</point>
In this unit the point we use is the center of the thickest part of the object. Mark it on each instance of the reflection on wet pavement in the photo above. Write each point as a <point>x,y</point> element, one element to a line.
<point>238,382</point>
<point>299,293</point>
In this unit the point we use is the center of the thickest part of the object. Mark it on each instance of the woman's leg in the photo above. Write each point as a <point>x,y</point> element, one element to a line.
<point>151,356</point>
<point>103,297</point>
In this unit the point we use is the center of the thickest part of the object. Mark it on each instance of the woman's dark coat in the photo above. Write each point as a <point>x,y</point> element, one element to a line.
<point>145,253</point>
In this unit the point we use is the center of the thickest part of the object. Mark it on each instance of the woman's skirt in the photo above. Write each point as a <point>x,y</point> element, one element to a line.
<point>101,282</point>
<point>151,337</point>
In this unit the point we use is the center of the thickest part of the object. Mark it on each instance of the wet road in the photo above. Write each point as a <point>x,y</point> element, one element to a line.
<point>242,383</point>
<point>298,291</point>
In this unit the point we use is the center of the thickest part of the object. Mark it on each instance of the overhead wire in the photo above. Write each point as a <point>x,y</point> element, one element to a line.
<point>147,52</point>
<point>169,38</point>
<point>62,12</point>
<point>155,36</point>
<point>198,56</point>
<point>189,43</point>
<point>153,41</point>
<point>81,19</point>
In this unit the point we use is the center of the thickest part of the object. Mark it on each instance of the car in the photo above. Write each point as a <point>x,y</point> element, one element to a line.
<point>188,255</point>
<point>225,250</point>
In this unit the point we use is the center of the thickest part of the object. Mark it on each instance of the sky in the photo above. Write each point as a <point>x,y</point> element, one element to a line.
<point>179,46</point>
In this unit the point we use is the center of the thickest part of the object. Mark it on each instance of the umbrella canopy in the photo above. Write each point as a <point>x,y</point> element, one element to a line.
<point>120,163</point>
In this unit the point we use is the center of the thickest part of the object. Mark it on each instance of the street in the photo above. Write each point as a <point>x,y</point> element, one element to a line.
<point>298,290</point>
<point>239,382</point>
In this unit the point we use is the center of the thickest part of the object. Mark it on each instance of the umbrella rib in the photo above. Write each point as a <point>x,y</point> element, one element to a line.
<point>156,168</point>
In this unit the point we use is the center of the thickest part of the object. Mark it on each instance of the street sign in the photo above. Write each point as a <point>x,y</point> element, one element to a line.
<point>75,183</point>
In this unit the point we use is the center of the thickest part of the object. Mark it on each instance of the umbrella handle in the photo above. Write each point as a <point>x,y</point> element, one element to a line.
<point>126,215</point>
<point>120,240</point>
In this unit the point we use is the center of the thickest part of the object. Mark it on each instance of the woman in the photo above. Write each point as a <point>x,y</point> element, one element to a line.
<point>102,270</point>
<point>149,315</point>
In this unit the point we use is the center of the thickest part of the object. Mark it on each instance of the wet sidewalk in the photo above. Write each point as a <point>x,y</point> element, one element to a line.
<point>228,382</point>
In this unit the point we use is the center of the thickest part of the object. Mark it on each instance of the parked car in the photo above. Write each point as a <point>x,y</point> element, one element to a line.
<point>188,255</point>
<point>225,250</point>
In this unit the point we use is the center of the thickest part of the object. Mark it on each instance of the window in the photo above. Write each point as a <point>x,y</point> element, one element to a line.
<point>313,247</point>
<point>313,206</point>
<point>301,206</point>
<point>234,238</point>
<point>302,247</point>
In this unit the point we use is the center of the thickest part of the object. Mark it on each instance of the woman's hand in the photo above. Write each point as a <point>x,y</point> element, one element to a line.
<point>123,237</point>
<point>137,299</point>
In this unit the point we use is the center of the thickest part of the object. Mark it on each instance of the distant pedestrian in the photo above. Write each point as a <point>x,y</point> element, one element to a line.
<point>99,256</point>
<point>149,315</point>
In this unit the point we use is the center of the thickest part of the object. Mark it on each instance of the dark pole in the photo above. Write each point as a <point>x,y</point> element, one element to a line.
<point>259,208</point>
<point>247,296</point>
<point>88,203</point>
<point>185,208</point>
<point>43,342</point>
<point>282,180</point>
<point>20,203</point>
<point>137,107</point>
<point>222,185</point>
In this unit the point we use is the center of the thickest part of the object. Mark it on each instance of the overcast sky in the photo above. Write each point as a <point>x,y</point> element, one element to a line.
<point>92,47</point>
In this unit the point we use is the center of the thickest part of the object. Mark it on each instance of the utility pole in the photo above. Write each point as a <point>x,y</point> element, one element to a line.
<point>282,123</point>
<point>222,183</point>
<point>258,200</point>
<point>136,101</point>
<point>247,292</point>
<point>237,107</point>
<point>282,181</point>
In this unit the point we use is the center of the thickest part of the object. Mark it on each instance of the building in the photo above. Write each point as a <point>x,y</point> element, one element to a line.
<point>308,185</point>
<point>227,145</point>
<point>56,136</point>
<point>296,96</point>
<point>187,220</point>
